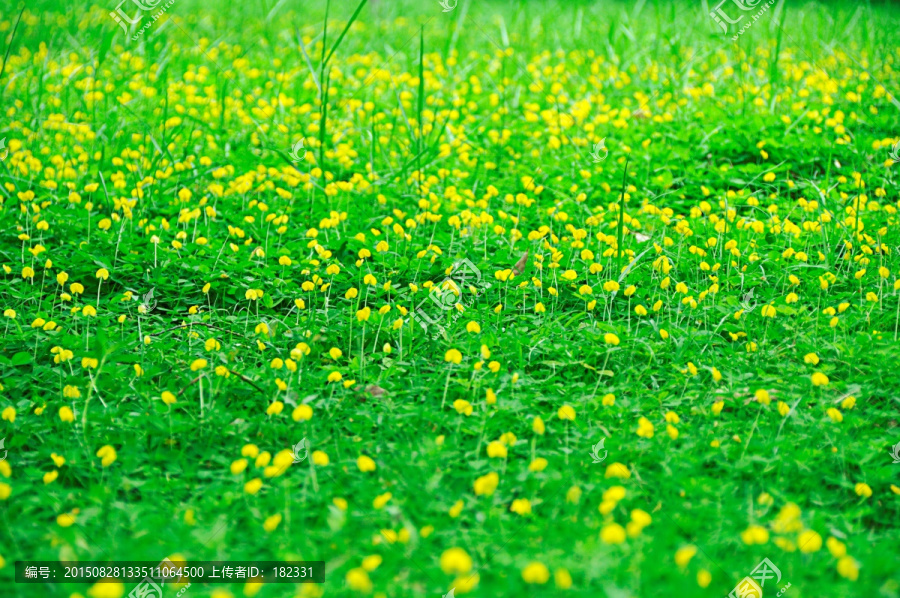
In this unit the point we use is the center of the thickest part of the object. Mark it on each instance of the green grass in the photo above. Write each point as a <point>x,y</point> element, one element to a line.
<point>761,164</point>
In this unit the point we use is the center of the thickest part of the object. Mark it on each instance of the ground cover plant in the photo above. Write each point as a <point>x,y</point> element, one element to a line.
<point>461,298</point>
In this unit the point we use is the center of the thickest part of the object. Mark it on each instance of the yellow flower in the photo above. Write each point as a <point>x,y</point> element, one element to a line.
<point>819,379</point>
<point>611,339</point>
<point>612,533</point>
<point>167,397</point>
<point>66,519</point>
<point>539,464</point>
<point>381,500</point>
<point>566,412</point>
<point>755,534</point>
<point>704,578</point>
<point>463,407</point>
<point>486,484</point>
<point>684,555</point>
<point>359,580</point>
<point>762,396</point>
<point>453,356</point>
<point>107,455</point>
<point>198,364</point>
<point>302,413</point>
<point>275,408</point>
<point>456,560</point>
<point>536,573</point>
<point>496,449</point>
<point>848,568</point>
<point>320,458</point>
<point>609,400</point>
<point>107,588</point>
<point>272,522</point>
<point>238,466</point>
<point>617,470</point>
<point>809,541</point>
<point>365,464</point>
<point>811,358</point>
<point>562,578</point>
<point>371,562</point>
<point>645,428</point>
<point>253,486</point>
<point>835,415</point>
<point>9,414</point>
<point>863,489</point>
<point>836,547</point>
<point>51,476</point>
<point>250,450</point>
<point>522,506</point>
<point>66,414</point>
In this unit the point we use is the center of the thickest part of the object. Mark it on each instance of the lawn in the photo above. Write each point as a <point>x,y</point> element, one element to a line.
<point>485,298</point>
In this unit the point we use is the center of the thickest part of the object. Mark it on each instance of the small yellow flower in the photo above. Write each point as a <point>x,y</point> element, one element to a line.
<point>755,534</point>
<point>253,486</point>
<point>365,464</point>
<point>453,356</point>
<point>863,489</point>
<point>819,379</point>
<point>456,560</point>
<point>107,455</point>
<point>486,484</point>
<point>612,533</point>
<point>566,412</point>
<point>536,573</point>
<point>272,522</point>
<point>66,414</point>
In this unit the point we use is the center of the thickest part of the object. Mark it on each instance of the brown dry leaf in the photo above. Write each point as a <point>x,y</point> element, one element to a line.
<point>520,265</point>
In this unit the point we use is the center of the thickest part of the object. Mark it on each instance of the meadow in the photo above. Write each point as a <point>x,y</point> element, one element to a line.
<point>475,298</point>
